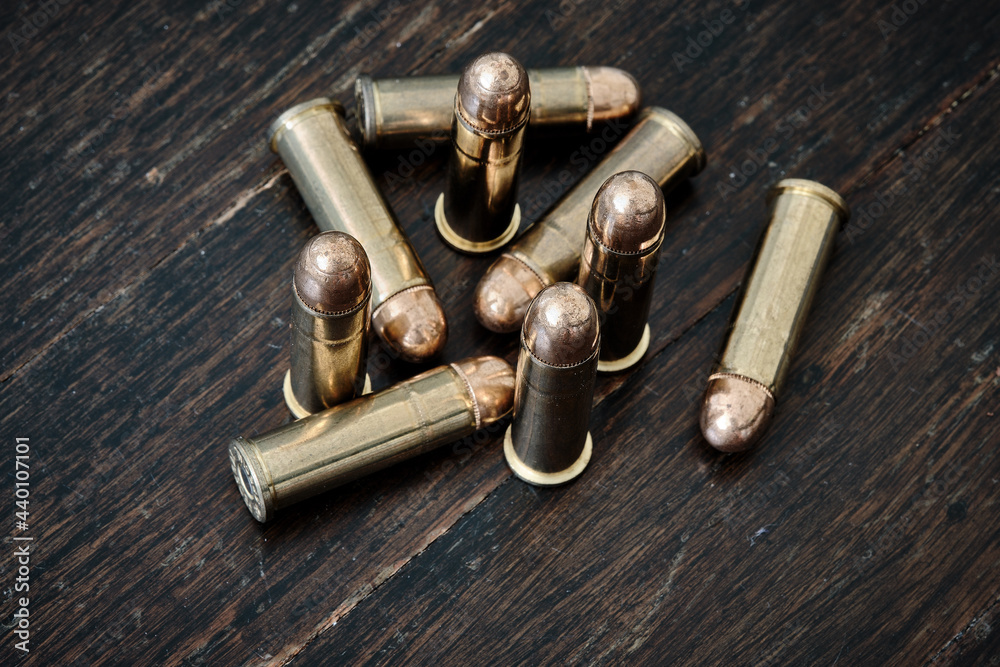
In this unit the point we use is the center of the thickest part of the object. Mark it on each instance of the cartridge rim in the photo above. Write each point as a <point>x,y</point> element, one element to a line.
<point>629,360</point>
<point>367,108</point>
<point>298,113</point>
<point>252,479</point>
<point>456,242</point>
<point>673,122</point>
<point>539,478</point>
<point>813,189</point>
<point>293,403</point>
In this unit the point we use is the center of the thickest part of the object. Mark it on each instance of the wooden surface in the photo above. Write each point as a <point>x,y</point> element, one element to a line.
<point>148,238</point>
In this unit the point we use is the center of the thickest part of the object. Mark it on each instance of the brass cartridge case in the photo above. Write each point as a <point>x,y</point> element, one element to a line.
<point>618,264</point>
<point>331,291</point>
<point>771,312</point>
<point>311,455</point>
<point>660,145</point>
<point>478,210</point>
<point>335,184</point>
<point>396,113</point>
<point>548,442</point>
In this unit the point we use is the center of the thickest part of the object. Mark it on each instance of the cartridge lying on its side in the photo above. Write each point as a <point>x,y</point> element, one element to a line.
<point>311,455</point>
<point>395,113</point>
<point>660,145</point>
<point>338,189</point>
<point>770,314</point>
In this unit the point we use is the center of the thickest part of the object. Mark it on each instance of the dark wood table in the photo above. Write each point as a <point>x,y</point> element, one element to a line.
<point>148,239</point>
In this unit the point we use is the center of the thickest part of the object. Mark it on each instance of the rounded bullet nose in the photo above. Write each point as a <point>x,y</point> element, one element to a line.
<point>491,381</point>
<point>736,412</point>
<point>412,324</point>
<point>628,214</point>
<point>504,293</point>
<point>614,93</point>
<point>561,327</point>
<point>493,93</point>
<point>332,274</point>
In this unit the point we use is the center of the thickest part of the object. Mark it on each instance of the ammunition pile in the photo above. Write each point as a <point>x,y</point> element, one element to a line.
<point>361,273</point>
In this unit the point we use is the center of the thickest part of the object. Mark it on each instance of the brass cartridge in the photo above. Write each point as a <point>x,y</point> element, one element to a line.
<point>548,441</point>
<point>396,113</point>
<point>618,264</point>
<point>331,290</point>
<point>311,455</point>
<point>335,184</point>
<point>770,313</point>
<point>660,145</point>
<point>478,210</point>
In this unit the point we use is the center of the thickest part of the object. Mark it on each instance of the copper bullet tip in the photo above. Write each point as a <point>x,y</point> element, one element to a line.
<point>614,93</point>
<point>736,412</point>
<point>504,293</point>
<point>628,214</point>
<point>491,382</point>
<point>332,274</point>
<point>561,327</point>
<point>493,93</point>
<point>412,324</point>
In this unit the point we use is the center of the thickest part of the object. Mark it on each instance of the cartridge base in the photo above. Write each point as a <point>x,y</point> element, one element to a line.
<point>616,365</point>
<point>296,408</point>
<point>252,479</point>
<point>473,248</point>
<point>532,476</point>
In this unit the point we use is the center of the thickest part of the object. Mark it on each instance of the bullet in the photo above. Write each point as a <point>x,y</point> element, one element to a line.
<point>335,184</point>
<point>401,113</point>
<point>618,264</point>
<point>478,210</point>
<point>660,145</point>
<point>770,313</point>
<point>331,290</point>
<point>311,455</point>
<point>548,442</point>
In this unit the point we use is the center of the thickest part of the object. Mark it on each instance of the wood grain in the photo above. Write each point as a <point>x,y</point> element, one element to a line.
<point>149,238</point>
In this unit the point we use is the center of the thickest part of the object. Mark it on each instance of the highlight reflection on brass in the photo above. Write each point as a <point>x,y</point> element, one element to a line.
<point>311,455</point>
<point>771,312</point>
<point>335,184</point>
<point>660,145</point>
<point>399,113</point>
